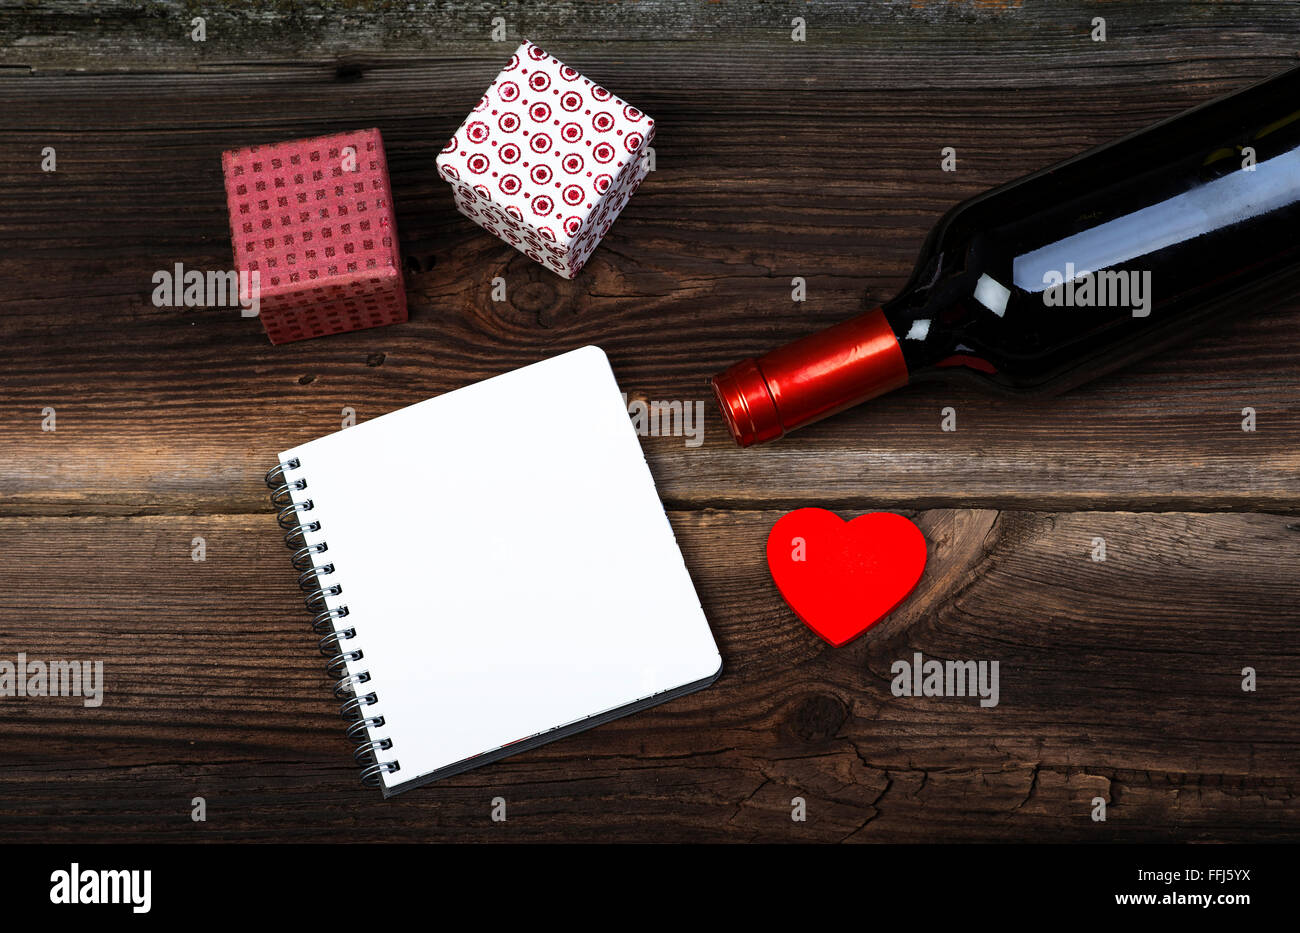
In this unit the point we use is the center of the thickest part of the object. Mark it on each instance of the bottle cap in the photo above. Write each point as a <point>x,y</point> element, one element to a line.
<point>746,404</point>
<point>809,379</point>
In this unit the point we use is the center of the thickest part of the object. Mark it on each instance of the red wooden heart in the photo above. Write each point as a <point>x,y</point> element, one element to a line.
<point>842,577</point>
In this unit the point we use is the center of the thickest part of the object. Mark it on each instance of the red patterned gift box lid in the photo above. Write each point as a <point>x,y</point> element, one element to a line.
<point>545,144</point>
<point>312,212</point>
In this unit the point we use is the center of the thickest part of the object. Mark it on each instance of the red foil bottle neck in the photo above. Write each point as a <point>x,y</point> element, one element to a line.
<point>809,379</point>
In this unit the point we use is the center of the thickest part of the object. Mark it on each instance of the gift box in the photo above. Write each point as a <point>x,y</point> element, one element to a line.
<point>547,160</point>
<point>314,218</point>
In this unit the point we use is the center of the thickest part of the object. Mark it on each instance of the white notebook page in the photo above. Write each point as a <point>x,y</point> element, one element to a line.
<point>506,562</point>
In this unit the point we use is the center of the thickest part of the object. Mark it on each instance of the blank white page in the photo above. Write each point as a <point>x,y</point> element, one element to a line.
<point>506,562</point>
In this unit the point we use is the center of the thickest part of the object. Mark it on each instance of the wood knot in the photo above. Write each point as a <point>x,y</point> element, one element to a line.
<point>536,298</point>
<point>818,717</point>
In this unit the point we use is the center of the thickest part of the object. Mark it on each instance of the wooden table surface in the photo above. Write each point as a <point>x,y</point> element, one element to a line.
<point>775,159</point>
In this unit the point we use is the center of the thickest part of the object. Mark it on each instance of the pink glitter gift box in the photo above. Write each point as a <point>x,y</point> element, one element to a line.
<point>314,219</point>
<point>547,159</point>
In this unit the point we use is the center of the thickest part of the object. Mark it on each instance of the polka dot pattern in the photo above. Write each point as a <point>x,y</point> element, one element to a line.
<point>547,160</point>
<point>321,236</point>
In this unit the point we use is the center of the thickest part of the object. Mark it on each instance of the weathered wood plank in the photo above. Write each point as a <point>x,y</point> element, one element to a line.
<point>1108,686</point>
<point>179,411</point>
<point>902,43</point>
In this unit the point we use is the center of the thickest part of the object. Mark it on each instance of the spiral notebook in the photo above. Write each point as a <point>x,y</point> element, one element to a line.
<point>491,570</point>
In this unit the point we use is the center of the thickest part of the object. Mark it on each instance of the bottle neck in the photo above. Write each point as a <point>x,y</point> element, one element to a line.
<point>942,330</point>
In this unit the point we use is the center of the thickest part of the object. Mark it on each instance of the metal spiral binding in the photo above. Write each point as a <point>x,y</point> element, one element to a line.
<point>317,590</point>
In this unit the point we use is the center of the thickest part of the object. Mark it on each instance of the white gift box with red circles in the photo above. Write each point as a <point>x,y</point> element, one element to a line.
<point>547,160</point>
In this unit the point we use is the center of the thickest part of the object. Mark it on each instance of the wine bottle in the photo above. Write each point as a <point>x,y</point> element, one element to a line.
<point>1045,282</point>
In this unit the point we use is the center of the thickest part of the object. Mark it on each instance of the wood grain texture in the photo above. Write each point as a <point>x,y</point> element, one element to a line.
<point>1107,687</point>
<point>692,278</point>
<point>898,43</point>
<point>817,159</point>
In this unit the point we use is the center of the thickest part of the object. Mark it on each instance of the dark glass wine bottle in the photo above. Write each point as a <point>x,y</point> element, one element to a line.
<point>1057,277</point>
